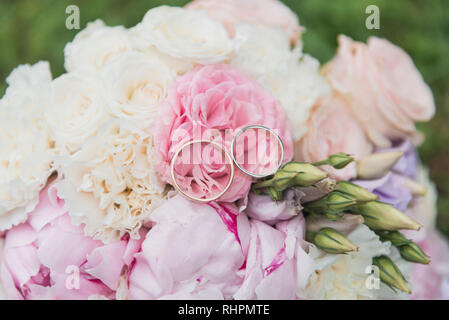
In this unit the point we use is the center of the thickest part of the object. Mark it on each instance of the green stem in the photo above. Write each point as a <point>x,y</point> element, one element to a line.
<point>264,184</point>
<point>320,163</point>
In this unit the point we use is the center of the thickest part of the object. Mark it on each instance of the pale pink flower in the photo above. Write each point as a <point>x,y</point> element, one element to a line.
<point>211,251</point>
<point>271,13</point>
<point>382,87</point>
<point>276,262</point>
<point>331,129</point>
<point>428,280</point>
<point>190,252</point>
<point>48,257</point>
<point>215,100</point>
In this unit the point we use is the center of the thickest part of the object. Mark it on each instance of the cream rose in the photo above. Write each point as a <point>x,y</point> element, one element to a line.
<point>110,185</point>
<point>179,66</point>
<point>382,87</point>
<point>257,12</point>
<point>184,34</point>
<point>26,144</point>
<point>135,84</point>
<point>75,112</point>
<point>94,46</point>
<point>331,129</point>
<point>293,77</point>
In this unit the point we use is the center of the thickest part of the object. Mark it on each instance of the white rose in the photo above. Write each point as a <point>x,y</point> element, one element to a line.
<point>135,84</point>
<point>343,276</point>
<point>184,34</point>
<point>26,145</point>
<point>26,77</point>
<point>93,47</point>
<point>110,185</point>
<point>75,112</point>
<point>292,77</point>
<point>179,66</point>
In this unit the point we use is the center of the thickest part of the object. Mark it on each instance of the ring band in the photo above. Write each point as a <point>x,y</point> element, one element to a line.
<point>256,126</point>
<point>185,194</point>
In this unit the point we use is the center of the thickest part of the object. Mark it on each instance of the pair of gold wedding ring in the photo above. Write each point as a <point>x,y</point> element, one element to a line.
<point>231,159</point>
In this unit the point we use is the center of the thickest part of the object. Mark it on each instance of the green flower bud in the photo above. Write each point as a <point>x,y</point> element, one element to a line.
<point>413,253</point>
<point>396,238</point>
<point>294,174</point>
<point>307,174</point>
<point>333,241</point>
<point>383,216</point>
<point>390,274</point>
<point>340,160</point>
<point>284,179</point>
<point>334,202</point>
<point>356,192</point>
<point>275,195</point>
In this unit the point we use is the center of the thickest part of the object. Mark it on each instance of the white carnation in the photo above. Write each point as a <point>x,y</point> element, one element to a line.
<point>94,46</point>
<point>26,145</point>
<point>292,77</point>
<point>76,111</point>
<point>135,84</point>
<point>110,185</point>
<point>184,34</point>
<point>344,276</point>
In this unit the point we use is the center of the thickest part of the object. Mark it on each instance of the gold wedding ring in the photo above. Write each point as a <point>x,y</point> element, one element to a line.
<point>185,194</point>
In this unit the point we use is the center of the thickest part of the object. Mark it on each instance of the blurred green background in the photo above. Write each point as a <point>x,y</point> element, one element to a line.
<point>33,30</point>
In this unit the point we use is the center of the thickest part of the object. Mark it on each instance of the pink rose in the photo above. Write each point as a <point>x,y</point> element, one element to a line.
<point>382,87</point>
<point>271,13</point>
<point>213,102</point>
<point>331,129</point>
<point>49,258</point>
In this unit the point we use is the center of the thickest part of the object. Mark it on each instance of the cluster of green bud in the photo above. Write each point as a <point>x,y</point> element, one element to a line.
<point>352,198</point>
<point>348,199</point>
<point>345,196</point>
<point>409,250</point>
<point>390,274</point>
<point>331,241</point>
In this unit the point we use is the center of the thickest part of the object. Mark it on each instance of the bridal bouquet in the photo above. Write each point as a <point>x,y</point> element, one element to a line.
<point>95,204</point>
